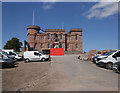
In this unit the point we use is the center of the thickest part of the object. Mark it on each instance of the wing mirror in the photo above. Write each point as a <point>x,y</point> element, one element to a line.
<point>2,56</point>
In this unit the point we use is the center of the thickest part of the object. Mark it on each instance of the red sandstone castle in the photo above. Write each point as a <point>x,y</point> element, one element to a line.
<point>54,38</point>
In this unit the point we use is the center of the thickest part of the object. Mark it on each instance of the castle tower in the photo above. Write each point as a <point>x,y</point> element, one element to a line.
<point>32,32</point>
<point>74,40</point>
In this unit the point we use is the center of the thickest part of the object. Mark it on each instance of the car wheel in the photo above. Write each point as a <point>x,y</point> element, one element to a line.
<point>27,60</point>
<point>43,59</point>
<point>109,66</point>
<point>78,57</point>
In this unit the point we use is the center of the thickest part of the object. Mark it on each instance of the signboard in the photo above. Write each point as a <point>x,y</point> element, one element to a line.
<point>57,51</point>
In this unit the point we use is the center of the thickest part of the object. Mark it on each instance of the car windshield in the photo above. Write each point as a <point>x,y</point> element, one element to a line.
<point>16,53</point>
<point>41,53</point>
<point>5,53</point>
<point>109,53</point>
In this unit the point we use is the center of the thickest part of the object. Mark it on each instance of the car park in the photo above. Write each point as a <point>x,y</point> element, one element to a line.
<point>110,59</point>
<point>12,52</point>
<point>35,56</point>
<point>116,67</point>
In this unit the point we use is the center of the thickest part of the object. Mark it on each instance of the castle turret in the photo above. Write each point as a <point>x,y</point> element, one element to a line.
<point>32,32</point>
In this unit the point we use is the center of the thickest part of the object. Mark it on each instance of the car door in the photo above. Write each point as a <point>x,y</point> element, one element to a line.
<point>1,56</point>
<point>36,56</point>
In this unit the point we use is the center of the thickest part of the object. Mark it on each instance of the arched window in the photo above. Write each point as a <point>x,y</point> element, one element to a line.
<point>76,45</point>
<point>48,36</point>
<point>76,36</point>
<point>35,36</point>
<point>28,36</point>
<point>55,36</point>
<point>67,46</point>
<point>41,45</point>
<point>48,45</point>
<point>61,36</point>
<point>35,45</point>
<point>61,45</point>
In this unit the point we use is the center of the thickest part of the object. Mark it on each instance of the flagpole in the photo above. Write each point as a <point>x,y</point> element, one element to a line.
<point>33,16</point>
<point>62,25</point>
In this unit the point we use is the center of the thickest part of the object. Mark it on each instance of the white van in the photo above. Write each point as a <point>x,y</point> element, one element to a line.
<point>109,60</point>
<point>35,56</point>
<point>12,52</point>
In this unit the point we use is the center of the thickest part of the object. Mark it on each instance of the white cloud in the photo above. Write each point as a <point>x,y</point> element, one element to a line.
<point>48,4</point>
<point>102,10</point>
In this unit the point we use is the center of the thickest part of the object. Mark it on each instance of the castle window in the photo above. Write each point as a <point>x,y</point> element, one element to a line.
<point>41,45</point>
<point>55,35</point>
<point>49,36</point>
<point>35,35</point>
<point>29,36</point>
<point>76,45</point>
<point>76,36</point>
<point>35,45</point>
<point>61,36</point>
<point>48,45</point>
<point>61,45</point>
<point>67,46</point>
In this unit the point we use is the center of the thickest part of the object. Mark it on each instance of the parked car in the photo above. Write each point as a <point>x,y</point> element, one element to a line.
<point>105,55</point>
<point>6,62</point>
<point>78,57</point>
<point>6,55</point>
<point>94,59</point>
<point>35,56</point>
<point>15,54</point>
<point>110,59</point>
<point>116,67</point>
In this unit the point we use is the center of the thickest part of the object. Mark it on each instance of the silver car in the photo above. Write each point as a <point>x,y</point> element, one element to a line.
<point>6,55</point>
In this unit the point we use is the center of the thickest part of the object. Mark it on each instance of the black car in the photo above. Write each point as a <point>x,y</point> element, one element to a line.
<point>4,63</point>
<point>116,67</point>
<point>94,59</point>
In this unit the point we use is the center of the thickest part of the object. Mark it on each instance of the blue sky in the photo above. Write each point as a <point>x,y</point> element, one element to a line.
<point>99,21</point>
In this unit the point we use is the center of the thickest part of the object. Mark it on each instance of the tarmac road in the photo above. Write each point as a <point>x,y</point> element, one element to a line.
<point>65,73</point>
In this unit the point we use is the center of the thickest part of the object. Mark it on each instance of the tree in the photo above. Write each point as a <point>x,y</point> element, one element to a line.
<point>14,43</point>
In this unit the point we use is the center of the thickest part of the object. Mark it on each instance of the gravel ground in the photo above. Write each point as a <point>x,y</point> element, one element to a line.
<point>65,73</point>
<point>24,76</point>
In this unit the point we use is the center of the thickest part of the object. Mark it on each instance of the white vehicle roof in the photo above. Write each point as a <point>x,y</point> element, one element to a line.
<point>31,51</point>
<point>7,49</point>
